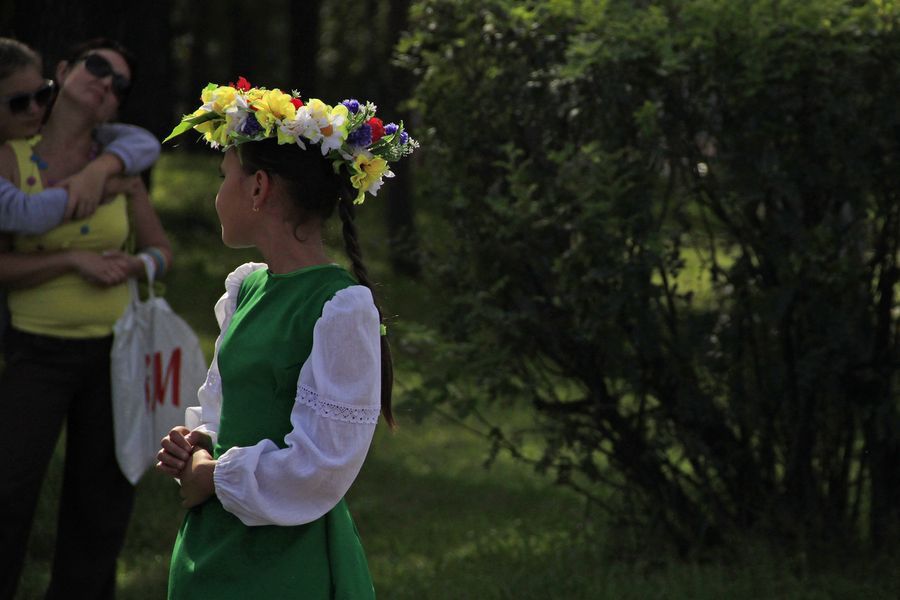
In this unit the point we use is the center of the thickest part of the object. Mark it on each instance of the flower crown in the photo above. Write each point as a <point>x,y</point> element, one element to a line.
<point>349,134</point>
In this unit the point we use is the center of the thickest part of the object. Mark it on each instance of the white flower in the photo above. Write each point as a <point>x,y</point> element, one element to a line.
<point>376,185</point>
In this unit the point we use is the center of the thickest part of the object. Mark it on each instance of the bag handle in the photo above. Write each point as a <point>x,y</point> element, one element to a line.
<point>150,270</point>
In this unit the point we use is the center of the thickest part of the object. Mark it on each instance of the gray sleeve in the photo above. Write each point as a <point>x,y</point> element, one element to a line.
<point>135,146</point>
<point>34,214</point>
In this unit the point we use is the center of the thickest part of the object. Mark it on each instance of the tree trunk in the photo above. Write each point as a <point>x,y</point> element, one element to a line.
<point>400,215</point>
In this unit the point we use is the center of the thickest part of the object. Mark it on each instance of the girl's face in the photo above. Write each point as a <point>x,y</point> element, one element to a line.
<point>98,81</point>
<point>24,96</point>
<point>234,203</point>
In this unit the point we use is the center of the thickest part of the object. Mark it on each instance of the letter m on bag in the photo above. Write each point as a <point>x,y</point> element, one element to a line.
<point>161,377</point>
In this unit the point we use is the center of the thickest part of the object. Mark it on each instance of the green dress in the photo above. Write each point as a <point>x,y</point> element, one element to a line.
<point>259,358</point>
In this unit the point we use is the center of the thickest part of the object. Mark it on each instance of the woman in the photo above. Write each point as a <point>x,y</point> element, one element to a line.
<point>24,99</point>
<point>301,369</point>
<point>67,289</point>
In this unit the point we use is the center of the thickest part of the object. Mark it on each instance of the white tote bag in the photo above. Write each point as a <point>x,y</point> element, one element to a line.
<point>157,367</point>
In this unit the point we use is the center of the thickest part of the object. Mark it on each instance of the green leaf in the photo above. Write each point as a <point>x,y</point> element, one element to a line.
<point>189,122</point>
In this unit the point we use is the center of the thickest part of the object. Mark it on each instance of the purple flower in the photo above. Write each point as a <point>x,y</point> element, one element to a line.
<point>352,105</point>
<point>404,137</point>
<point>251,126</point>
<point>361,137</point>
<point>390,129</point>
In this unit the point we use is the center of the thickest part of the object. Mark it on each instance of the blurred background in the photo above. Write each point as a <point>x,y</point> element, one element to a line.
<point>641,282</point>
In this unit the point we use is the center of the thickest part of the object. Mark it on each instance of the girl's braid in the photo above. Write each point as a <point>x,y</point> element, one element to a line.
<point>351,245</point>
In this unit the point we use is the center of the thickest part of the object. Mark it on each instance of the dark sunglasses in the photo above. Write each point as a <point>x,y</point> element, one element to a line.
<point>99,67</point>
<point>20,102</point>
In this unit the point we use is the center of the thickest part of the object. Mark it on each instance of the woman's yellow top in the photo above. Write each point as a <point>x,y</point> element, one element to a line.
<point>68,306</point>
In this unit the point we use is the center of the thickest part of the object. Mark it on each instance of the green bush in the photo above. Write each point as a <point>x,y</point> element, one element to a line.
<point>674,233</point>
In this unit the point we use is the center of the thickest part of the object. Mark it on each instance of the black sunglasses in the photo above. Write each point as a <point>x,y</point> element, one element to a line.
<point>99,67</point>
<point>20,102</point>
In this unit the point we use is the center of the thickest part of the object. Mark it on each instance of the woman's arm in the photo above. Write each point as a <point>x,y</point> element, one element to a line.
<point>19,270</point>
<point>150,235</point>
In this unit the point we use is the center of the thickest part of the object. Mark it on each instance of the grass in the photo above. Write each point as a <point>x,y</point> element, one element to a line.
<point>435,523</point>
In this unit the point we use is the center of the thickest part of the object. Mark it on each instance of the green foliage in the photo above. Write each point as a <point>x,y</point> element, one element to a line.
<point>587,156</point>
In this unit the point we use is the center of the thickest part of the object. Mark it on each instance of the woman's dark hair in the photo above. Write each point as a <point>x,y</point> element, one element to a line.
<point>309,179</point>
<point>15,55</point>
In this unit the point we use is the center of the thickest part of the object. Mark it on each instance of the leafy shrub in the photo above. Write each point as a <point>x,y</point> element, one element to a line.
<point>673,234</point>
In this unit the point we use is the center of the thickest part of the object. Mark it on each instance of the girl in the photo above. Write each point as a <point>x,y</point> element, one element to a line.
<point>67,290</point>
<point>301,369</point>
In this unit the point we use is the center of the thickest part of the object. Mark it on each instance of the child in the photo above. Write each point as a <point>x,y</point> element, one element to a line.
<point>301,368</point>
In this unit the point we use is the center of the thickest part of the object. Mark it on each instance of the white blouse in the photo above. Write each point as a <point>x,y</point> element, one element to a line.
<point>334,416</point>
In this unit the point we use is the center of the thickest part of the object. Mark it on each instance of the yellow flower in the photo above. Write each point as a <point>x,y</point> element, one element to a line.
<point>219,99</point>
<point>317,109</point>
<point>255,94</point>
<point>272,106</point>
<point>215,132</point>
<point>368,173</point>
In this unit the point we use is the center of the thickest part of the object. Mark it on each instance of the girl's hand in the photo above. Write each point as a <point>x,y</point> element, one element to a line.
<point>197,484</point>
<point>175,452</point>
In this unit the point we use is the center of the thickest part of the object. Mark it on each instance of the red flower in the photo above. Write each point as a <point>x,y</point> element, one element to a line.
<point>377,128</point>
<point>297,102</point>
<point>242,84</point>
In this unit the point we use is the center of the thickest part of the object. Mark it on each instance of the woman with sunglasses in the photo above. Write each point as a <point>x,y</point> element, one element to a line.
<point>24,98</point>
<point>67,289</point>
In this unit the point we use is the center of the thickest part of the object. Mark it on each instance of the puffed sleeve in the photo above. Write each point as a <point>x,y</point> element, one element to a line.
<point>333,418</point>
<point>205,417</point>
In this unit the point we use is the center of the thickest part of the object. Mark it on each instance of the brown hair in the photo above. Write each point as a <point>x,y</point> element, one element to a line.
<point>310,181</point>
<point>15,55</point>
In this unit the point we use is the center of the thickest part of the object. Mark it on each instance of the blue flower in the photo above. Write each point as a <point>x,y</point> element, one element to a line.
<point>361,137</point>
<point>404,137</point>
<point>352,105</point>
<point>390,129</point>
<point>251,126</point>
